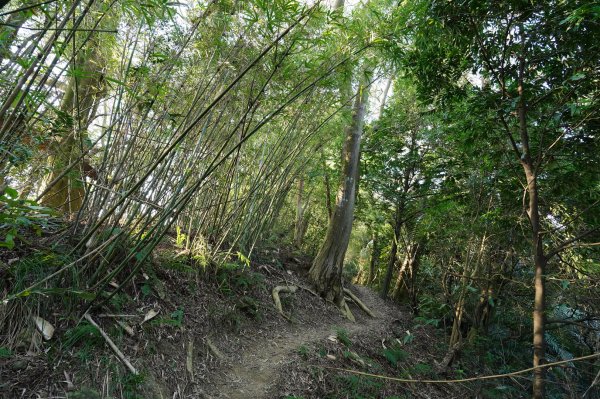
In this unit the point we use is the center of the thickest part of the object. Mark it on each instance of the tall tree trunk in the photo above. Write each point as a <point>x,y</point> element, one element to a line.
<point>459,309</point>
<point>327,192</point>
<point>393,251</point>
<point>539,259</point>
<point>78,107</point>
<point>390,268</point>
<point>326,271</point>
<point>375,251</point>
<point>404,287</point>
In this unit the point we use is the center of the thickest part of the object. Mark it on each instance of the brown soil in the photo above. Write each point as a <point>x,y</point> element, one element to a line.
<point>259,353</point>
<point>255,374</point>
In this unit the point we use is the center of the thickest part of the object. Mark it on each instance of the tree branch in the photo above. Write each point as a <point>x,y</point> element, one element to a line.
<point>572,243</point>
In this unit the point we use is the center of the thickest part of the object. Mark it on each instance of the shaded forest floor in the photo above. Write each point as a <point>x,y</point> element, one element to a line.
<point>215,333</point>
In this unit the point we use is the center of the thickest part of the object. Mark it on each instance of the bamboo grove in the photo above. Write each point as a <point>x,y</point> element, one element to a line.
<point>468,182</point>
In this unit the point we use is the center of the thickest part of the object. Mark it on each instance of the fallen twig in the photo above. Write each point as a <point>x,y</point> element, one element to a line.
<point>112,345</point>
<point>189,361</point>
<point>214,349</point>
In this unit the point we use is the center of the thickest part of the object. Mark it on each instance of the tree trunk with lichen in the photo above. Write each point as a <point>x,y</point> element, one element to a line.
<point>78,107</point>
<point>326,271</point>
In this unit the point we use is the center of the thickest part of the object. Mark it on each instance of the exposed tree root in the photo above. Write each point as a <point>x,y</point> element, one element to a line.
<point>347,312</point>
<point>309,290</point>
<point>282,288</point>
<point>302,288</point>
<point>343,306</point>
<point>358,302</point>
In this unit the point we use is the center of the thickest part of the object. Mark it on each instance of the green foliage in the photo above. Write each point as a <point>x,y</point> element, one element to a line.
<point>177,316</point>
<point>408,338</point>
<point>131,385</point>
<point>394,354</point>
<point>119,300</point>
<point>179,265</point>
<point>18,216</point>
<point>321,351</point>
<point>181,238</point>
<point>234,279</point>
<point>84,393</point>
<point>36,266</point>
<point>441,166</point>
<point>423,370</point>
<point>250,307</point>
<point>5,353</point>
<point>175,319</point>
<point>83,333</point>
<point>303,352</point>
<point>146,290</point>
<point>358,386</point>
<point>342,336</point>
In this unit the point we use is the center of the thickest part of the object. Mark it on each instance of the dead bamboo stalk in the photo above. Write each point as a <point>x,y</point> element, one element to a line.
<point>112,345</point>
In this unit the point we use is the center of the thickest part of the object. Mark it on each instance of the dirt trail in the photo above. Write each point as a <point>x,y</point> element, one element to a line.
<point>260,363</point>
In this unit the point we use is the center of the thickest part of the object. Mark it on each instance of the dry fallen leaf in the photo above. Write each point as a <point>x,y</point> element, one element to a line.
<point>44,327</point>
<point>150,315</point>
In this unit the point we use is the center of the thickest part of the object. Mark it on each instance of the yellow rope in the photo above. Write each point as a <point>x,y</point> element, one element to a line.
<point>485,377</point>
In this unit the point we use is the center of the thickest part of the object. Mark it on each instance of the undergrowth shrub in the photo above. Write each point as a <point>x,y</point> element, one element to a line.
<point>34,267</point>
<point>233,279</point>
<point>394,354</point>
<point>18,217</point>
<point>357,387</point>
<point>342,336</point>
<point>84,333</point>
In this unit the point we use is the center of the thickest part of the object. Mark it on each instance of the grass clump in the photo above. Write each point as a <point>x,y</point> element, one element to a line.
<point>342,336</point>
<point>394,355</point>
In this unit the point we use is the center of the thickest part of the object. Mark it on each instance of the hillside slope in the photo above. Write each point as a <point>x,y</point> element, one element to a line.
<point>217,334</point>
